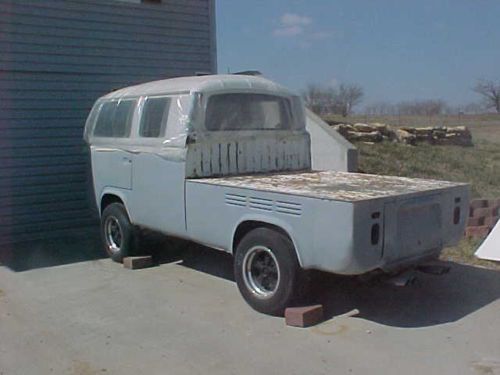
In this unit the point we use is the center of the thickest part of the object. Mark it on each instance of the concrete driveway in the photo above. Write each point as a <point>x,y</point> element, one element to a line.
<point>187,317</point>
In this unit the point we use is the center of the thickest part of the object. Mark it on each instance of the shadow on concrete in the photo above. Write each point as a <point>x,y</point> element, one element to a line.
<point>194,256</point>
<point>432,300</point>
<point>72,248</point>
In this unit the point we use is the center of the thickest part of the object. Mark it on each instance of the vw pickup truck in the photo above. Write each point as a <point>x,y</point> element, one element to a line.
<point>225,161</point>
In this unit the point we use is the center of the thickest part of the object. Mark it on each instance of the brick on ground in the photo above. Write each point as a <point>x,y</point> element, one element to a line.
<point>482,212</point>
<point>491,221</point>
<point>478,203</point>
<point>135,263</point>
<point>477,232</point>
<point>475,221</point>
<point>304,316</point>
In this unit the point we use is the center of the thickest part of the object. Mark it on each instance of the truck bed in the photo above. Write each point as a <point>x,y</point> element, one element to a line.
<point>332,185</point>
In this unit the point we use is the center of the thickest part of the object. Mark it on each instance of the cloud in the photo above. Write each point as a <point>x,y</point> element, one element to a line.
<point>294,25</point>
<point>288,31</point>
<point>291,25</point>
<point>291,19</point>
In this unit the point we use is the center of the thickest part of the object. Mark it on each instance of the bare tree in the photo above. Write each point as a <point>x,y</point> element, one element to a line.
<point>490,91</point>
<point>422,107</point>
<point>348,95</point>
<point>318,99</point>
<point>327,100</point>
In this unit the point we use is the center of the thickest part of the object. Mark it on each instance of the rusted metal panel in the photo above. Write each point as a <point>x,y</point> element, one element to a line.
<point>342,186</point>
<point>260,152</point>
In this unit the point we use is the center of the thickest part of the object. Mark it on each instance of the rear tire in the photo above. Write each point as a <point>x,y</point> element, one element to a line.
<point>267,271</point>
<point>117,233</point>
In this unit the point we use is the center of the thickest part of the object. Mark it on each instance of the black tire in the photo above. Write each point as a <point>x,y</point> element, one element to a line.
<point>255,276</point>
<point>117,233</point>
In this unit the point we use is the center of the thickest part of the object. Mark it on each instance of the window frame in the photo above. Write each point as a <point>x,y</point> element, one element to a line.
<point>288,108</point>
<point>144,100</point>
<point>116,102</point>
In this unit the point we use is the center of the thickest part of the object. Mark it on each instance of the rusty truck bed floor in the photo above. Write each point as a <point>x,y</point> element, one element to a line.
<point>332,185</point>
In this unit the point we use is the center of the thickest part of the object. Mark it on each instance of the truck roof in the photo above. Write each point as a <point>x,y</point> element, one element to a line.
<point>204,84</point>
<point>332,185</point>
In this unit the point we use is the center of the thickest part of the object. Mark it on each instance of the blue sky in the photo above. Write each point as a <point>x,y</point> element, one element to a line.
<point>396,49</point>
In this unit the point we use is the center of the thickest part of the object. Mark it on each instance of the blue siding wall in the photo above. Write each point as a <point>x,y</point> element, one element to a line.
<point>57,57</point>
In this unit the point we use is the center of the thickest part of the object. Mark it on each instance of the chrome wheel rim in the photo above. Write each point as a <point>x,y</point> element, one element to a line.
<point>113,233</point>
<point>261,272</point>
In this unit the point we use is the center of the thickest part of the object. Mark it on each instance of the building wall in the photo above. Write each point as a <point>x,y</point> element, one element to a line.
<point>57,57</point>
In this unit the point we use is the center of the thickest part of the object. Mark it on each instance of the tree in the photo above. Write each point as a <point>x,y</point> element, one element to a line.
<point>319,99</point>
<point>327,100</point>
<point>348,95</point>
<point>490,91</point>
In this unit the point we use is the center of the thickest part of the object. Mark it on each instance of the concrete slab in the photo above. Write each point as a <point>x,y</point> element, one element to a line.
<point>186,317</point>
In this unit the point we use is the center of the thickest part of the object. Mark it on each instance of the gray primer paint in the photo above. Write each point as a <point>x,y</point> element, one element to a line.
<point>57,58</point>
<point>329,150</point>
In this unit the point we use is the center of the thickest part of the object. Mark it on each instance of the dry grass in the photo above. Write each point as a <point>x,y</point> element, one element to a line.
<point>464,253</point>
<point>478,165</point>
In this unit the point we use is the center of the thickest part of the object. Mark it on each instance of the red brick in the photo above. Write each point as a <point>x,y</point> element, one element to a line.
<point>135,263</point>
<point>304,316</point>
<point>490,221</point>
<point>478,203</point>
<point>492,202</point>
<point>475,221</point>
<point>481,212</point>
<point>477,232</point>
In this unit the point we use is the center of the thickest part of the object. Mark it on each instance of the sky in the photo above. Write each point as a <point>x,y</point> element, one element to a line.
<point>397,50</point>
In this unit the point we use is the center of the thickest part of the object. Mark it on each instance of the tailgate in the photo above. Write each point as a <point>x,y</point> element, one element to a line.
<point>424,223</point>
<point>419,225</point>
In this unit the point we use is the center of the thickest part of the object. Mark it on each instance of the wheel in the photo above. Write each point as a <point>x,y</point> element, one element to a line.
<point>267,271</point>
<point>118,234</point>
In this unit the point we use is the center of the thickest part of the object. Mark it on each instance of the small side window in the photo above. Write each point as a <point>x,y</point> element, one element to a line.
<point>104,123</point>
<point>123,118</point>
<point>115,119</point>
<point>154,117</point>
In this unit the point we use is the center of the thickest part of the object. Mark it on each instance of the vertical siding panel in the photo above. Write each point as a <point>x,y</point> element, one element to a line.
<point>58,57</point>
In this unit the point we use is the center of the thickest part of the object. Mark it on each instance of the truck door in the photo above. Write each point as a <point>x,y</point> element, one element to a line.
<point>158,176</point>
<point>112,163</point>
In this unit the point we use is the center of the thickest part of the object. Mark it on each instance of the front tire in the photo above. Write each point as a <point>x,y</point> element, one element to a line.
<point>267,271</point>
<point>117,233</point>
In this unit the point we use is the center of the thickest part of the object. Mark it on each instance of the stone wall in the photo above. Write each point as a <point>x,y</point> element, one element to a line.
<point>377,132</point>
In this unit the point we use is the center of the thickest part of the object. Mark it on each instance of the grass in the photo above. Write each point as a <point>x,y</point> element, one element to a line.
<point>464,253</point>
<point>478,165</point>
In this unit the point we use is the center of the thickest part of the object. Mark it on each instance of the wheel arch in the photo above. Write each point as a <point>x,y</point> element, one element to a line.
<point>248,224</point>
<point>109,196</point>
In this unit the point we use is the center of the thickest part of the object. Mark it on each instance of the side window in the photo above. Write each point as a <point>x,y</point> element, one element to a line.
<point>154,117</point>
<point>104,123</point>
<point>115,119</point>
<point>123,118</point>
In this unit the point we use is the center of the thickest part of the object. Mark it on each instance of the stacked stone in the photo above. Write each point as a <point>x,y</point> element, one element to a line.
<point>483,215</point>
<point>458,136</point>
<point>377,132</point>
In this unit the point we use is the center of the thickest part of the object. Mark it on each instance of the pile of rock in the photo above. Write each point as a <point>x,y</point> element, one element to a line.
<point>376,132</point>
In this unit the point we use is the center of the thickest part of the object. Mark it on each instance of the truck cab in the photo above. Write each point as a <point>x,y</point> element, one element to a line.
<point>225,161</point>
